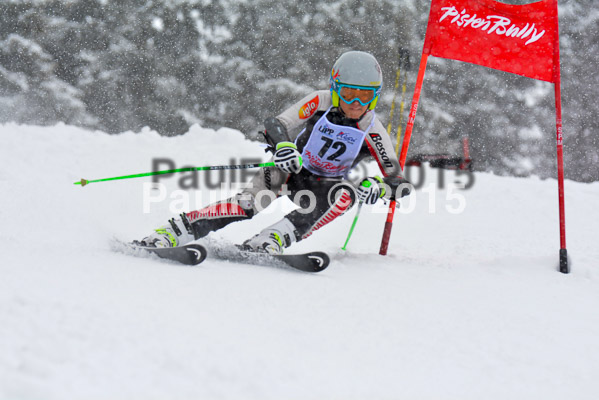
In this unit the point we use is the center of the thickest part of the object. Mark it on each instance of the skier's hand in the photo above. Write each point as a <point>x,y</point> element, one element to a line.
<point>395,183</point>
<point>287,158</point>
<point>370,190</point>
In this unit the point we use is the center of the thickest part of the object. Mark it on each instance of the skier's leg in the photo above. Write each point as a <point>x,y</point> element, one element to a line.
<point>218,215</point>
<point>329,201</point>
<point>197,224</point>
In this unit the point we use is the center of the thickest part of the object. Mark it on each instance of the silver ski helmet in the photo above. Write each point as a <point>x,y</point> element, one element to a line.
<point>360,70</point>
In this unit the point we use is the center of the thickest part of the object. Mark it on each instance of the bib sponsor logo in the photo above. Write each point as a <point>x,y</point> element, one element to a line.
<point>346,138</point>
<point>326,130</point>
<point>309,108</point>
<point>325,166</point>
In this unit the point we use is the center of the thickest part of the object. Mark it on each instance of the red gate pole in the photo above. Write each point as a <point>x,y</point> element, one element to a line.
<point>413,109</point>
<point>404,152</point>
<point>563,253</point>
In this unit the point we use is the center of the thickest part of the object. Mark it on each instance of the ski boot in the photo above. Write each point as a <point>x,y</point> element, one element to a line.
<point>273,239</point>
<point>177,233</point>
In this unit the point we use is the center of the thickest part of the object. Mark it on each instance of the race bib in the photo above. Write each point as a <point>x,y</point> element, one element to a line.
<point>332,149</point>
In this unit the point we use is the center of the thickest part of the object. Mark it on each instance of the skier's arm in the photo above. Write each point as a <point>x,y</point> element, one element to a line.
<point>275,132</point>
<point>381,148</point>
<point>278,128</point>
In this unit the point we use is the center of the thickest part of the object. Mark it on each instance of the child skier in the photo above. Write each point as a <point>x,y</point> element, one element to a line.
<point>339,129</point>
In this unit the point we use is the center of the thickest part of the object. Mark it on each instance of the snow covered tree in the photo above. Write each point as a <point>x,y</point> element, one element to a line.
<point>117,66</point>
<point>31,91</point>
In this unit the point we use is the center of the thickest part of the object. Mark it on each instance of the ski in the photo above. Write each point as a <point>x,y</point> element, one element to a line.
<point>315,261</point>
<point>191,254</point>
<point>194,254</point>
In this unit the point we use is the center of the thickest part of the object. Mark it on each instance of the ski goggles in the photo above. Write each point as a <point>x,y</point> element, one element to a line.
<point>362,94</point>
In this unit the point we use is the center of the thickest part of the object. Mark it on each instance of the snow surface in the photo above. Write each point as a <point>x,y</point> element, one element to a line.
<point>467,305</point>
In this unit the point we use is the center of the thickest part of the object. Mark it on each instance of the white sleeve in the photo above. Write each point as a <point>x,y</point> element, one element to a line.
<point>296,115</point>
<point>381,147</point>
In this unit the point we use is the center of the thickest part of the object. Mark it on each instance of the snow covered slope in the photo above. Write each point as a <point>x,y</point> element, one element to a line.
<point>467,305</point>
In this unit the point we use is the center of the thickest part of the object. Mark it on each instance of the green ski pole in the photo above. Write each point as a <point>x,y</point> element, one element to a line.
<point>84,182</point>
<point>353,225</point>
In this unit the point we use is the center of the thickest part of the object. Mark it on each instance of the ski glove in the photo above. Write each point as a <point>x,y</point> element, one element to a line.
<point>394,182</point>
<point>370,190</point>
<point>287,158</point>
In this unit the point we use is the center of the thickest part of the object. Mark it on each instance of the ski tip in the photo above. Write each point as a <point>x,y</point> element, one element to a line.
<point>197,252</point>
<point>191,254</point>
<point>319,260</point>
